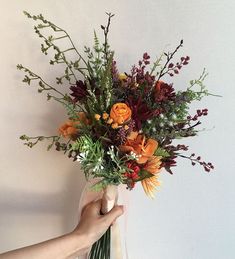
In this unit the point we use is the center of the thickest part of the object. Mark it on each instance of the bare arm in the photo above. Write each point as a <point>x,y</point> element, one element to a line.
<point>90,228</point>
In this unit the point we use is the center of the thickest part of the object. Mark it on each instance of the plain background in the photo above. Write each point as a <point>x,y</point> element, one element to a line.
<point>193,214</point>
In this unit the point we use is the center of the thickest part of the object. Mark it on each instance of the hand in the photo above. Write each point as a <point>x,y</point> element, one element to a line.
<point>92,224</point>
<point>90,228</point>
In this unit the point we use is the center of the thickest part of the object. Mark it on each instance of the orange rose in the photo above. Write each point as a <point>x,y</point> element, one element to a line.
<point>138,144</point>
<point>120,113</point>
<point>69,128</point>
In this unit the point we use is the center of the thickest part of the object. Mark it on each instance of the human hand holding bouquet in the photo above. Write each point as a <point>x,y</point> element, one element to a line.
<point>120,126</point>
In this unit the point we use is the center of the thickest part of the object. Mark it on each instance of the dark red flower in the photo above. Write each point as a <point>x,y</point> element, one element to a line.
<point>79,91</point>
<point>140,111</point>
<point>164,92</point>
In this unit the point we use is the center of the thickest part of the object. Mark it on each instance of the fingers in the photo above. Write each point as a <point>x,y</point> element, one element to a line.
<point>114,213</point>
<point>92,208</point>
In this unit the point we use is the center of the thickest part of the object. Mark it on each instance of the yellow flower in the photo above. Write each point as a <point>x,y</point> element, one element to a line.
<point>153,167</point>
<point>105,116</point>
<point>150,184</point>
<point>126,127</point>
<point>122,76</point>
<point>115,125</point>
<point>97,117</point>
<point>110,121</point>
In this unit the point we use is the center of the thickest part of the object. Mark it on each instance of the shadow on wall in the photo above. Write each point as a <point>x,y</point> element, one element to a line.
<point>31,204</point>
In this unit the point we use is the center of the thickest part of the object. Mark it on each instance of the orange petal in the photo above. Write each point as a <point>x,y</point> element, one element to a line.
<point>125,149</point>
<point>150,147</point>
<point>142,159</point>
<point>149,185</point>
<point>133,135</point>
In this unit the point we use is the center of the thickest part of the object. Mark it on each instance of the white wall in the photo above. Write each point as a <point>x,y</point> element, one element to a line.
<point>193,214</point>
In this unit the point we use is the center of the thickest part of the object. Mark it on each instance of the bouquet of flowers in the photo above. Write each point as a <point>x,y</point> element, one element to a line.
<point>120,126</point>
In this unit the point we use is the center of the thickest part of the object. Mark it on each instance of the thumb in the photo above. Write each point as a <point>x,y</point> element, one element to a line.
<point>113,214</point>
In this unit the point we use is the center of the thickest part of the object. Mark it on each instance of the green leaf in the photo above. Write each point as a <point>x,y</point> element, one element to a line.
<point>99,185</point>
<point>161,152</point>
<point>144,174</point>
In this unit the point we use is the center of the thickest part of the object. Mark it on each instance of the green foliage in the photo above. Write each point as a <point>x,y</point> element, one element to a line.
<point>32,141</point>
<point>157,64</point>
<point>51,43</point>
<point>99,68</point>
<point>91,155</point>
<point>143,174</point>
<point>43,86</point>
<point>197,89</point>
<point>161,152</point>
<point>95,163</point>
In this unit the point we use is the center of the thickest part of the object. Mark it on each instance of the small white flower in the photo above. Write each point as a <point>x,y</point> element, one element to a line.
<point>162,116</point>
<point>174,117</point>
<point>161,124</point>
<point>154,129</point>
<point>170,123</point>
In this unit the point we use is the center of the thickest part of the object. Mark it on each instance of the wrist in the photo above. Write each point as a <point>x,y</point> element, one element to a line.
<point>82,242</point>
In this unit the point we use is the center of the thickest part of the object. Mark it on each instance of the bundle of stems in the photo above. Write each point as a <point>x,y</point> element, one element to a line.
<point>101,248</point>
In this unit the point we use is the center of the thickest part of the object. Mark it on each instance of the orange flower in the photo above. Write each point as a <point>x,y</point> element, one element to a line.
<point>150,184</point>
<point>153,167</point>
<point>120,113</point>
<point>83,118</point>
<point>153,164</point>
<point>69,128</point>
<point>138,144</point>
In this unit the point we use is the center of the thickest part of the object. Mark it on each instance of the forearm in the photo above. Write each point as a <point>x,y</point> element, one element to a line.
<point>65,247</point>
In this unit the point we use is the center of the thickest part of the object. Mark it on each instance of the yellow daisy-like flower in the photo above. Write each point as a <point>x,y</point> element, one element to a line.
<point>150,184</point>
<point>153,167</point>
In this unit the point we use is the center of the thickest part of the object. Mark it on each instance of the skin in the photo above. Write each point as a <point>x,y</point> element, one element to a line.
<point>91,227</point>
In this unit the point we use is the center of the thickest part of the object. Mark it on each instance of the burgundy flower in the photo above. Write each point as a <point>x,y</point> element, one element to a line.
<point>168,162</point>
<point>79,91</point>
<point>164,92</point>
<point>140,111</point>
